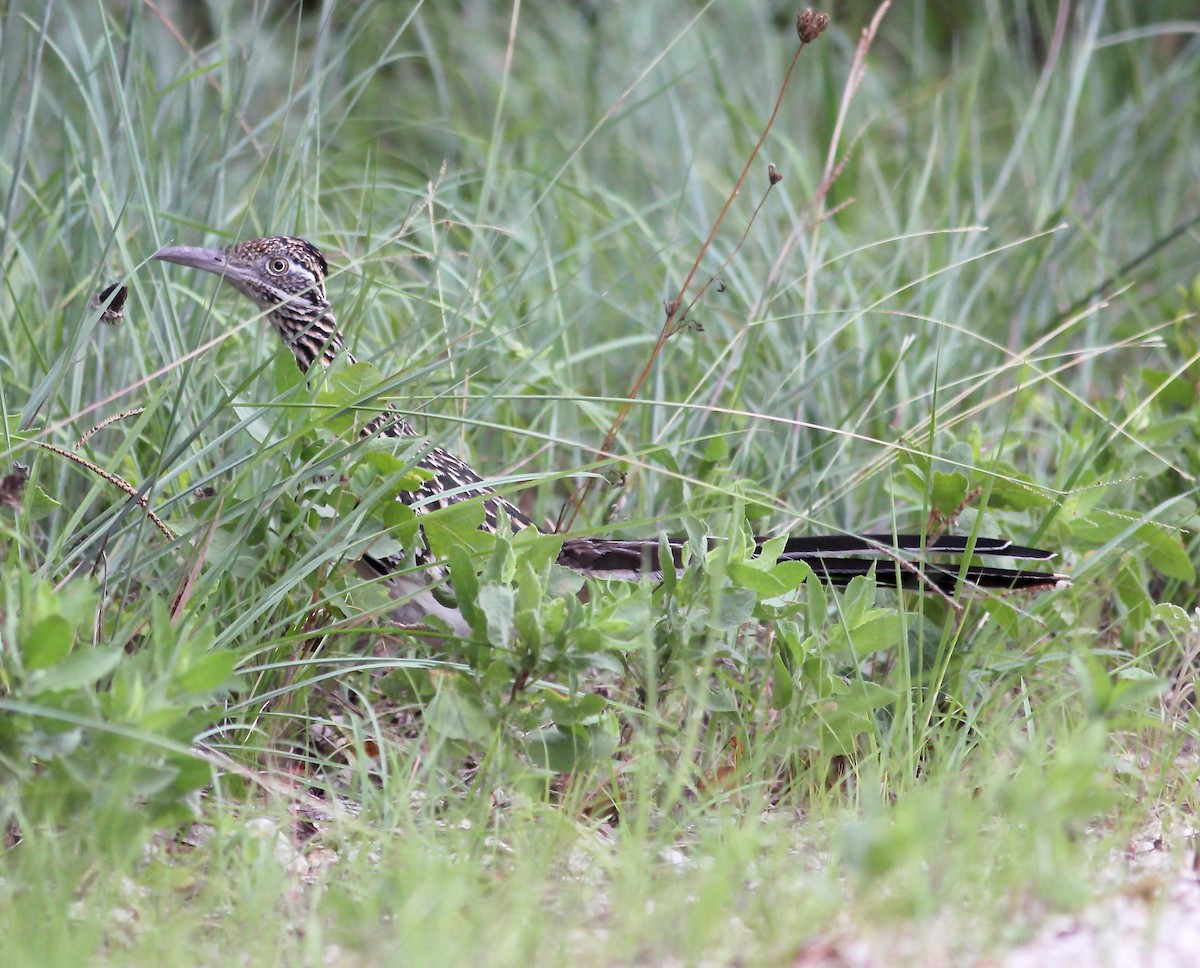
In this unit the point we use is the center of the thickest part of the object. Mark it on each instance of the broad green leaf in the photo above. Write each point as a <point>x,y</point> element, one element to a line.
<point>1015,492</point>
<point>530,593</point>
<point>1166,552</point>
<point>456,526</point>
<point>877,630</point>
<point>1178,392</point>
<point>286,376</point>
<point>456,715</point>
<point>210,673</point>
<point>259,427</point>
<point>581,709</point>
<point>1179,620</point>
<point>48,642</point>
<point>568,749</point>
<point>84,667</point>
<point>735,608</point>
<point>402,521</point>
<point>772,548</point>
<point>538,549</point>
<point>792,574</point>
<point>764,583</point>
<point>859,597</point>
<point>347,394</point>
<point>716,449</point>
<point>818,599</point>
<point>38,503</point>
<point>564,582</point>
<point>949,491</point>
<point>497,604</point>
<point>348,385</point>
<point>466,584</point>
<point>862,696</point>
<point>783,689</point>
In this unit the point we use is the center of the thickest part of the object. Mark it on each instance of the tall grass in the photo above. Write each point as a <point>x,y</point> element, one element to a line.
<point>993,298</point>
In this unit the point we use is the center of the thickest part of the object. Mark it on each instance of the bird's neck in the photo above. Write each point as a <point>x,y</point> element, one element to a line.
<point>312,339</point>
<point>317,339</point>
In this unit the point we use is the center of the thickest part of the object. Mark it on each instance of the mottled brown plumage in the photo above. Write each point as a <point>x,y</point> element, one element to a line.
<point>285,278</point>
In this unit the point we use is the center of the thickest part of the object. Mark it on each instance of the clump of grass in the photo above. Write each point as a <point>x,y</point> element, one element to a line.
<point>988,297</point>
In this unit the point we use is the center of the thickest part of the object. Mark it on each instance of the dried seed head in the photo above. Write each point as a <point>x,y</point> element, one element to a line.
<point>810,25</point>
<point>12,486</point>
<point>115,310</point>
<point>774,175</point>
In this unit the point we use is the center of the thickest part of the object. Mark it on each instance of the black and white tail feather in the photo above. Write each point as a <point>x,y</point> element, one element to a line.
<point>285,278</point>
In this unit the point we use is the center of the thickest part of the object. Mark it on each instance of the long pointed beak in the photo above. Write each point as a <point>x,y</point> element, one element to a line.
<point>210,260</point>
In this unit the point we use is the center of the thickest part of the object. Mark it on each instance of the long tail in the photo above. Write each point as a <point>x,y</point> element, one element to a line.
<point>899,561</point>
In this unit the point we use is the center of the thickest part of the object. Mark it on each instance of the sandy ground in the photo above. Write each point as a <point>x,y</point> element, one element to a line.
<point>1149,919</point>
<point>1151,924</point>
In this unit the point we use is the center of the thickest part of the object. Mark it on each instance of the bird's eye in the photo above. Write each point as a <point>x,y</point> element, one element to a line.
<point>278,266</point>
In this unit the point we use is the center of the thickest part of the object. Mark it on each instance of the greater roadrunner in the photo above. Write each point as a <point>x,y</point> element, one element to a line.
<point>285,278</point>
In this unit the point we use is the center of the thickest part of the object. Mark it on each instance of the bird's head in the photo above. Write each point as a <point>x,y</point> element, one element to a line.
<point>272,272</point>
<point>282,276</point>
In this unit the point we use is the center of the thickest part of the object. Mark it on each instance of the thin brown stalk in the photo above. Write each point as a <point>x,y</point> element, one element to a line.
<point>195,59</point>
<point>112,479</point>
<point>184,593</point>
<point>675,308</point>
<point>858,70</point>
<point>106,421</point>
<point>774,178</point>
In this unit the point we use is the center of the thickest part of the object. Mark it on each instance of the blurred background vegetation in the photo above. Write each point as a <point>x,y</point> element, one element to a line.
<point>978,278</point>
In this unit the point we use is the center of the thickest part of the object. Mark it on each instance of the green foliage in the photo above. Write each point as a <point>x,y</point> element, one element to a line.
<point>983,320</point>
<point>91,730</point>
